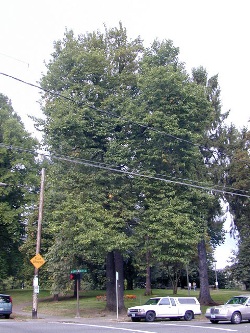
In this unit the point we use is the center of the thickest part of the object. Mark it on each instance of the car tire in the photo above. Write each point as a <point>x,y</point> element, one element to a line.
<point>214,321</point>
<point>150,316</point>
<point>236,318</point>
<point>7,316</point>
<point>188,315</point>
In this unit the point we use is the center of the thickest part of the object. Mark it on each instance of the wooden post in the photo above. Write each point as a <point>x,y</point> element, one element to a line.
<point>38,246</point>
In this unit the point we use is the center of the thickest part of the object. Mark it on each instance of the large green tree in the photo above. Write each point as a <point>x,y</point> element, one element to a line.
<point>18,171</point>
<point>100,70</point>
<point>212,148</point>
<point>239,204</point>
<point>114,111</point>
<point>180,113</point>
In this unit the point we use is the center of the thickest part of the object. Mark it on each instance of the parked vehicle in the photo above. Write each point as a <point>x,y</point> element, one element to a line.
<point>166,307</point>
<point>5,305</point>
<point>234,310</point>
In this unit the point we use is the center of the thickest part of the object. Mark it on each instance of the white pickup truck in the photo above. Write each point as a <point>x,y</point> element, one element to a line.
<point>166,307</point>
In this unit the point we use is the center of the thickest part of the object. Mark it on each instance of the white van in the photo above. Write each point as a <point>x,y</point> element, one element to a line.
<point>166,307</point>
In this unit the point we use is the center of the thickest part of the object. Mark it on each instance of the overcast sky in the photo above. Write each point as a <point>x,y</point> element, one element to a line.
<point>210,33</point>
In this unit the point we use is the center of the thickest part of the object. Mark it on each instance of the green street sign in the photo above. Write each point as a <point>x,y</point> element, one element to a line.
<point>75,271</point>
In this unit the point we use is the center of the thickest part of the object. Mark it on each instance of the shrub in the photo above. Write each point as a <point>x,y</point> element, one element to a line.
<point>101,297</point>
<point>130,296</point>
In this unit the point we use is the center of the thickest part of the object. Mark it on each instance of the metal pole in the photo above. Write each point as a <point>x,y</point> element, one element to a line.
<point>187,280</point>
<point>38,246</point>
<point>77,296</point>
<point>117,300</point>
<point>216,278</point>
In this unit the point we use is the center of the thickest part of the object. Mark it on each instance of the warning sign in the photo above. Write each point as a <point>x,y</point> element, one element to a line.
<point>37,261</point>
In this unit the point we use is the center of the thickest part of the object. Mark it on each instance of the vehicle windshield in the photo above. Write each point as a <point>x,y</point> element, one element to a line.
<point>5,299</point>
<point>152,301</point>
<point>237,300</point>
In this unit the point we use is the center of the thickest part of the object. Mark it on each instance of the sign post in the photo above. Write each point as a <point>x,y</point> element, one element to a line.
<point>37,261</point>
<point>76,275</point>
<point>77,297</point>
<point>117,307</point>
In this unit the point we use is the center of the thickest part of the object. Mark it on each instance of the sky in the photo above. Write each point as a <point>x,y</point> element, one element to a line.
<point>209,33</point>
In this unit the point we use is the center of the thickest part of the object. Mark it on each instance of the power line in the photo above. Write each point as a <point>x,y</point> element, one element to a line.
<point>78,160</point>
<point>131,173</point>
<point>108,113</point>
<point>13,58</point>
<point>127,120</point>
<point>127,172</point>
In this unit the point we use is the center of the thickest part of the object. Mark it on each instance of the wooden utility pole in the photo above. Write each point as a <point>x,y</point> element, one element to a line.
<point>38,246</point>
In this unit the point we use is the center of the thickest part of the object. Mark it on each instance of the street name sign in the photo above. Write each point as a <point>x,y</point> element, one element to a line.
<point>75,271</point>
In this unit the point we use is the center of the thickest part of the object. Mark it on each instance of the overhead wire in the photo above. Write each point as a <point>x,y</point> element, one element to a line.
<point>109,113</point>
<point>19,60</point>
<point>81,161</point>
<point>136,174</point>
<point>104,166</point>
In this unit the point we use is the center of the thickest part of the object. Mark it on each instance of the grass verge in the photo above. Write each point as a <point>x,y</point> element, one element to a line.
<point>91,305</point>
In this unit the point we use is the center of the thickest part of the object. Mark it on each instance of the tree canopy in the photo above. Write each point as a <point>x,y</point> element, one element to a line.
<point>238,178</point>
<point>129,132</point>
<point>18,171</point>
<point>140,163</point>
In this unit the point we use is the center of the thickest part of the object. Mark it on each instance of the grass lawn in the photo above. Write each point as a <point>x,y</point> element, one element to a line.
<point>90,305</point>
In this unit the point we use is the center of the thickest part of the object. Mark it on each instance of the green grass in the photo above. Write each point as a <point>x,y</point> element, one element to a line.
<point>21,296</point>
<point>89,305</point>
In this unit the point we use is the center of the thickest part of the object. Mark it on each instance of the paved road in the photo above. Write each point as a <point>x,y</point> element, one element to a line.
<point>84,325</point>
<point>21,322</point>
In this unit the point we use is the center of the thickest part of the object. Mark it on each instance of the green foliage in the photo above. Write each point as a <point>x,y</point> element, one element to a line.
<point>110,103</point>
<point>239,206</point>
<point>18,170</point>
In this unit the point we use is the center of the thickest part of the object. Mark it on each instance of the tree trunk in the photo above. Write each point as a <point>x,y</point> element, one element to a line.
<point>129,274</point>
<point>130,283</point>
<point>174,274</point>
<point>114,266</point>
<point>204,296</point>
<point>175,286</point>
<point>148,290</point>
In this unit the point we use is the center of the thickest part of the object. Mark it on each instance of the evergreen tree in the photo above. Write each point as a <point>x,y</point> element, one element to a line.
<point>238,179</point>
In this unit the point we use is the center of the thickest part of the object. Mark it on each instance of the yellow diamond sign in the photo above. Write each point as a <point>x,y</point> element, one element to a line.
<point>37,261</point>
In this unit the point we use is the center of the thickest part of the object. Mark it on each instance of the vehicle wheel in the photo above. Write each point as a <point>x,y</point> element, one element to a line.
<point>150,316</point>
<point>135,319</point>
<point>188,315</point>
<point>7,316</point>
<point>214,321</point>
<point>236,318</point>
